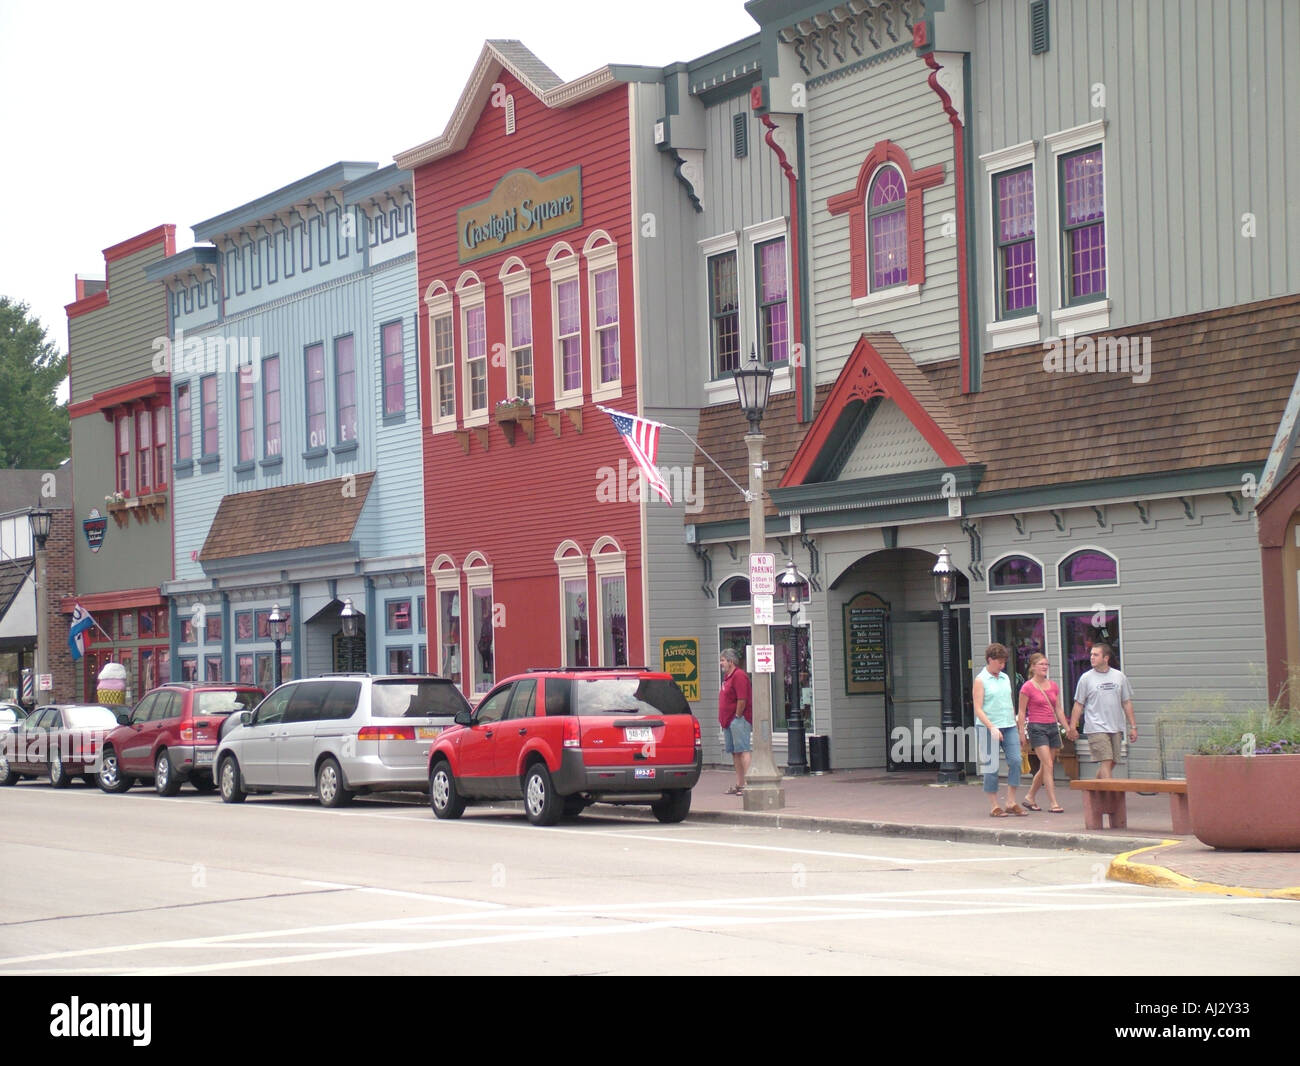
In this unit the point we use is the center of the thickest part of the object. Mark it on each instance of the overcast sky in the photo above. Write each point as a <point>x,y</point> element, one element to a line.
<point>124,116</point>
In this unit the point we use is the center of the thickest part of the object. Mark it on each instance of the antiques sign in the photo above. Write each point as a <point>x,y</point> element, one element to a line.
<point>680,657</point>
<point>522,208</point>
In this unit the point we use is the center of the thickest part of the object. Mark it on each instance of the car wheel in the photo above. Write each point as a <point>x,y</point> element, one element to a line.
<point>166,781</point>
<point>329,785</point>
<point>444,798</point>
<point>111,778</point>
<point>202,782</point>
<point>674,806</point>
<point>574,806</point>
<point>58,775</point>
<point>541,804</point>
<point>232,788</point>
<point>7,774</point>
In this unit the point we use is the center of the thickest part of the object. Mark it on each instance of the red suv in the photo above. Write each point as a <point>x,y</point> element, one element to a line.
<point>562,739</point>
<point>172,735</point>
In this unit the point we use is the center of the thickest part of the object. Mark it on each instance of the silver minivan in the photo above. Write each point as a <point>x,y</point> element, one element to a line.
<point>338,736</point>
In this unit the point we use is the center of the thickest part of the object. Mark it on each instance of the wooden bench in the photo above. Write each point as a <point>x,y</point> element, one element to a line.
<point>1107,796</point>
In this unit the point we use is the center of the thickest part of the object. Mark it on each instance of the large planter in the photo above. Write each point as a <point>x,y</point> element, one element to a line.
<point>1244,802</point>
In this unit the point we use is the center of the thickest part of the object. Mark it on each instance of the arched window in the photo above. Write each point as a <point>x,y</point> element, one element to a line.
<point>571,565</point>
<point>1087,566</point>
<point>1016,572</point>
<point>887,229</point>
<point>734,592</point>
<point>611,600</point>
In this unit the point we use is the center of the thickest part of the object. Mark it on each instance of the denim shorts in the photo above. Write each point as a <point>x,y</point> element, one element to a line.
<point>1044,734</point>
<point>736,736</point>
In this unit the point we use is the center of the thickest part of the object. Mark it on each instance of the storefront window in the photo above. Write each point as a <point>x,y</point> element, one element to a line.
<point>1023,634</point>
<point>613,622</point>
<point>481,616</point>
<point>1079,631</point>
<point>449,627</point>
<point>738,637</point>
<point>575,623</point>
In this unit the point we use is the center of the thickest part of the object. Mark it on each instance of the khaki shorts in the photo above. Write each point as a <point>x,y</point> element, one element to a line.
<point>1104,747</point>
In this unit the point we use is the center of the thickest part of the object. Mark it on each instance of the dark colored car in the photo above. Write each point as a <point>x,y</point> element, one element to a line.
<point>562,739</point>
<point>171,736</point>
<point>61,741</point>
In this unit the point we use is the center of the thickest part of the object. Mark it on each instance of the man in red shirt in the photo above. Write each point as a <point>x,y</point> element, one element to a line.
<point>735,716</point>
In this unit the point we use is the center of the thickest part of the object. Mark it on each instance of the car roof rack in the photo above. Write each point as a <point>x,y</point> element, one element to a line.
<point>589,669</point>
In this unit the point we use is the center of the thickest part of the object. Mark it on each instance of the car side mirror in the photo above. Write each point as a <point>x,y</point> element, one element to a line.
<point>123,718</point>
<point>245,717</point>
<point>464,718</point>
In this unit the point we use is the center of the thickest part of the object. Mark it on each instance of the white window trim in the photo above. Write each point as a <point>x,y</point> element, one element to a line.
<point>562,262</point>
<point>761,233</point>
<point>516,280</point>
<point>440,303</point>
<point>990,590</point>
<point>1094,315</point>
<point>446,578</point>
<point>469,290</point>
<point>709,247</point>
<point>570,565</point>
<point>1075,585</point>
<point>601,253</point>
<point>1040,612</point>
<point>478,575</point>
<point>891,296</point>
<point>1067,698</point>
<point>733,606</point>
<point>1020,329</point>
<point>608,564</point>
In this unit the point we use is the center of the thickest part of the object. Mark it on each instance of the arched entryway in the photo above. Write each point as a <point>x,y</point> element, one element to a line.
<point>884,612</point>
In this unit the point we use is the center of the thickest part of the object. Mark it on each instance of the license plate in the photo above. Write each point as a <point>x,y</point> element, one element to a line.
<point>203,758</point>
<point>641,734</point>
<point>644,773</point>
<point>426,732</point>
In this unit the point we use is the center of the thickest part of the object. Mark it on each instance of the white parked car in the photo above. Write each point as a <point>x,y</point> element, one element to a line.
<point>338,735</point>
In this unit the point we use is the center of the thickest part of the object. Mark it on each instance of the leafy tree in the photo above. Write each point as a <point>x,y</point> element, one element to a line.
<point>34,426</point>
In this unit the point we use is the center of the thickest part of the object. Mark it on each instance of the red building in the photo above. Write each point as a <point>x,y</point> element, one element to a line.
<point>524,218</point>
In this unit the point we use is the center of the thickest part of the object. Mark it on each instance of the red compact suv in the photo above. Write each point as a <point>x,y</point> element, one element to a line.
<point>562,739</point>
<point>172,735</point>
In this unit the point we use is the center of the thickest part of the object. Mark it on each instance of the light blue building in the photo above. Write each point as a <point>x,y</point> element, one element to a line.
<point>295,410</point>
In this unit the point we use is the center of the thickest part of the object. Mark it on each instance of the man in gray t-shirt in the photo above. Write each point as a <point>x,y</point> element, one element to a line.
<point>1104,699</point>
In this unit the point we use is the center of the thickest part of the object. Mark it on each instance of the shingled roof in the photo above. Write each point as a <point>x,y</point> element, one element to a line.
<point>289,518</point>
<point>1218,383</point>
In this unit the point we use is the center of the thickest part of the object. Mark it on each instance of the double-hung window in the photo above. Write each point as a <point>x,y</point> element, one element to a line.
<point>143,451</point>
<point>161,420</point>
<point>394,368</point>
<point>887,229</point>
<point>184,430</point>
<point>314,360</point>
<point>1013,227</point>
<point>773,301</point>
<point>442,355</point>
<point>601,254</point>
<point>345,389</point>
<point>246,429</point>
<point>724,314</point>
<point>211,428</point>
<point>271,427</point>
<point>473,331</point>
<point>566,315</point>
<point>516,287</point>
<point>122,436</point>
<point>1078,168</point>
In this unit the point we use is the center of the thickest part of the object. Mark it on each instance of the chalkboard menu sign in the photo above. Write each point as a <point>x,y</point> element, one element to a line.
<point>866,628</point>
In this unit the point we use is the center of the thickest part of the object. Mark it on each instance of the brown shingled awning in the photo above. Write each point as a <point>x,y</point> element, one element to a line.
<point>287,519</point>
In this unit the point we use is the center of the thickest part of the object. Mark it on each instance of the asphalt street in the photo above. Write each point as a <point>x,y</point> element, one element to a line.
<point>137,884</point>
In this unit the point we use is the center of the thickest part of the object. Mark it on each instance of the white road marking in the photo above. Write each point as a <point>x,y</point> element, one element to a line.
<point>408,895</point>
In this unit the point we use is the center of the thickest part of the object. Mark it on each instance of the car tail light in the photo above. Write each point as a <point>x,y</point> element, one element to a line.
<point>697,733</point>
<point>386,732</point>
<point>571,737</point>
<point>187,734</point>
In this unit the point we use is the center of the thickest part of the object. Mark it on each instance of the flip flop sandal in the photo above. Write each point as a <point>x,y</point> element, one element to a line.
<point>997,812</point>
<point>1056,810</point>
<point>734,790</point>
<point>1032,806</point>
<point>1018,811</point>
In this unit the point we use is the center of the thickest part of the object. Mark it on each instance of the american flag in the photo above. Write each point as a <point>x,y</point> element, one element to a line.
<point>642,439</point>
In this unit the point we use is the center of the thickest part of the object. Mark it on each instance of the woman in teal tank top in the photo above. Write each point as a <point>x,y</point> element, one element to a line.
<point>995,730</point>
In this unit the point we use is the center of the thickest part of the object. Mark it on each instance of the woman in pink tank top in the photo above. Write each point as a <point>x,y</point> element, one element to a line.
<point>1038,717</point>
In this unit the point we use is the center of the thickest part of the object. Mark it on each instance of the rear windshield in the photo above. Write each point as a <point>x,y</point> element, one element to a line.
<point>226,702</point>
<point>89,718</point>
<point>416,699</point>
<point>625,695</point>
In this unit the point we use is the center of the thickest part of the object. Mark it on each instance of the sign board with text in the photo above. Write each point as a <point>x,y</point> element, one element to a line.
<point>522,208</point>
<point>762,574</point>
<point>764,658</point>
<point>762,610</point>
<point>866,644</point>
<point>680,657</point>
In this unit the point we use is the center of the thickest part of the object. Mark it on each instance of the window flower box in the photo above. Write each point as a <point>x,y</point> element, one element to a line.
<point>512,413</point>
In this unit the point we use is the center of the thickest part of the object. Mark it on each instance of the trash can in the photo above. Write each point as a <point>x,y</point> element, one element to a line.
<point>819,753</point>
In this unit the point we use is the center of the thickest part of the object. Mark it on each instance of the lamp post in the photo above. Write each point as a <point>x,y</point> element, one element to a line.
<point>796,763</point>
<point>348,617</point>
<point>945,591</point>
<point>39,520</point>
<point>763,791</point>
<point>278,626</point>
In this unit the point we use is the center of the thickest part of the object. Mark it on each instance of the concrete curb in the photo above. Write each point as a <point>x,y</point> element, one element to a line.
<point>1015,838</point>
<point>1123,868</point>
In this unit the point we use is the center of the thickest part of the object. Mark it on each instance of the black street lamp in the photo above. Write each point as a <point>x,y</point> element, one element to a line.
<point>792,589</point>
<point>278,626</point>
<point>39,520</point>
<point>763,789</point>
<point>945,591</point>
